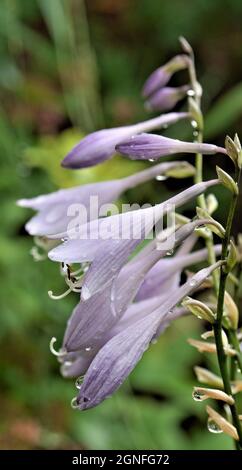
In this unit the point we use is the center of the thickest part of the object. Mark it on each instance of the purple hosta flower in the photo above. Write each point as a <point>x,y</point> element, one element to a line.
<point>77,364</point>
<point>91,319</point>
<point>125,232</point>
<point>152,147</point>
<point>100,145</point>
<point>161,76</point>
<point>52,208</point>
<point>117,358</point>
<point>166,98</point>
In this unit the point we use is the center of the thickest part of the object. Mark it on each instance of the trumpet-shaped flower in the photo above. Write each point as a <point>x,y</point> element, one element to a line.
<point>100,145</point>
<point>117,358</point>
<point>53,208</point>
<point>125,232</point>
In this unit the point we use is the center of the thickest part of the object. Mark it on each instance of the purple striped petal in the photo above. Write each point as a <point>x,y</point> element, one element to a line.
<point>166,98</point>
<point>100,146</point>
<point>118,357</point>
<point>152,146</point>
<point>53,208</point>
<point>165,275</point>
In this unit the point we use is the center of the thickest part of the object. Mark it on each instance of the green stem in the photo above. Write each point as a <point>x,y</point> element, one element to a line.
<point>219,285</point>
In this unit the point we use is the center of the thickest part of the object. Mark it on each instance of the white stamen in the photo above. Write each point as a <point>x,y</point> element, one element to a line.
<point>58,297</point>
<point>60,353</point>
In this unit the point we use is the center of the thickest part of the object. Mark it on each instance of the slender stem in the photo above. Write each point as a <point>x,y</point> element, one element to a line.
<point>198,137</point>
<point>222,358</point>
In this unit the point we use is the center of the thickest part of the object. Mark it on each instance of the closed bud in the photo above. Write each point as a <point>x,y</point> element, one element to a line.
<point>185,45</point>
<point>222,423</point>
<point>232,257</point>
<point>232,149</point>
<point>205,376</point>
<point>204,346</point>
<point>226,180</point>
<point>201,393</point>
<point>237,386</point>
<point>199,309</point>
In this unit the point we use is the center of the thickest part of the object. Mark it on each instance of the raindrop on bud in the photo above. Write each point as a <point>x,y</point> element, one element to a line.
<point>213,427</point>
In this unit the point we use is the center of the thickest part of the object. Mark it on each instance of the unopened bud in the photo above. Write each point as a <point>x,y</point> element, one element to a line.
<point>204,346</point>
<point>215,226</point>
<point>236,386</point>
<point>232,257</point>
<point>184,170</point>
<point>205,376</point>
<point>231,311</point>
<point>222,423</point>
<point>232,149</point>
<point>211,203</point>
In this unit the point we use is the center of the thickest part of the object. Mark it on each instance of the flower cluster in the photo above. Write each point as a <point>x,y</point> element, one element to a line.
<point>129,264</point>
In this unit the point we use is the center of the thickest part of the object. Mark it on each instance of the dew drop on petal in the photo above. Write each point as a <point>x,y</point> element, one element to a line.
<point>150,159</point>
<point>160,178</point>
<point>197,396</point>
<point>213,427</point>
<point>88,349</point>
<point>169,253</point>
<point>190,92</point>
<point>194,124</point>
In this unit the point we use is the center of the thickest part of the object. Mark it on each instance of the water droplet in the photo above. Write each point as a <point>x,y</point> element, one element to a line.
<point>88,349</point>
<point>79,381</point>
<point>194,124</point>
<point>160,178</point>
<point>197,396</point>
<point>165,126</point>
<point>193,282</point>
<point>150,159</point>
<point>169,253</point>
<point>195,133</point>
<point>213,427</point>
<point>191,93</point>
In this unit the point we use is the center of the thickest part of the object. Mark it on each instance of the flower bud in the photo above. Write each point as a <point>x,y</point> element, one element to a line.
<point>205,376</point>
<point>231,311</point>
<point>199,309</point>
<point>212,203</point>
<point>226,180</point>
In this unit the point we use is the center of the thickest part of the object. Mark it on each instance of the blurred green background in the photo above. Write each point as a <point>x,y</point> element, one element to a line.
<point>67,68</point>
